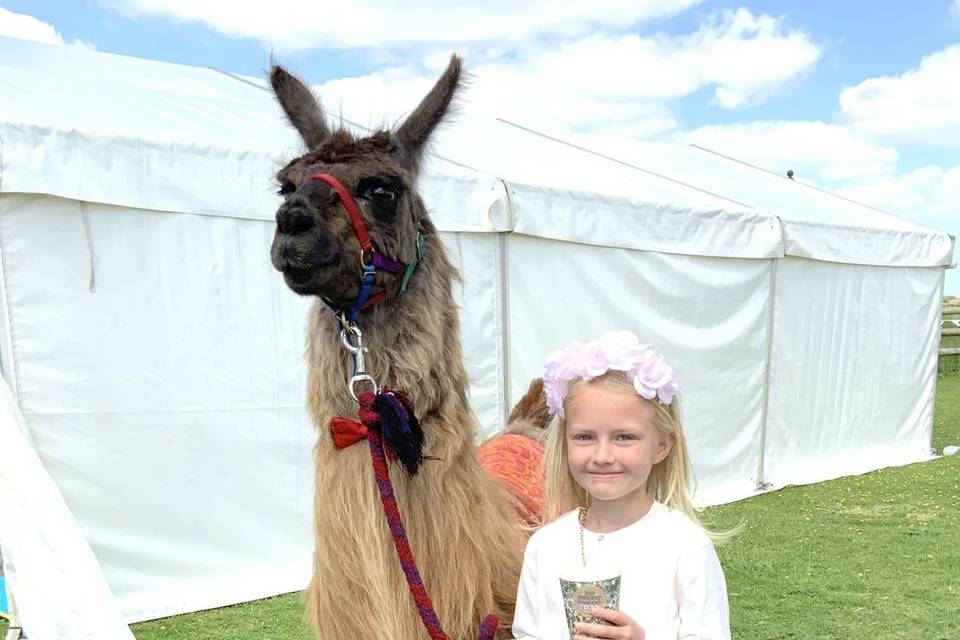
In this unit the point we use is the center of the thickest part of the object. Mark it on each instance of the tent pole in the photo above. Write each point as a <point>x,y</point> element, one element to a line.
<point>505,378</point>
<point>936,355</point>
<point>761,480</point>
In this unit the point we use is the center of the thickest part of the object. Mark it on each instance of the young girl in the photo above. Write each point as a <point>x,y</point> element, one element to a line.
<point>617,455</point>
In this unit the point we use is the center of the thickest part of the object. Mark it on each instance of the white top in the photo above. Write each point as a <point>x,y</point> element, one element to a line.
<point>671,580</point>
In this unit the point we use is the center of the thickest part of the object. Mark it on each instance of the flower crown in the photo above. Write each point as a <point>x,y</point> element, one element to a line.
<point>613,351</point>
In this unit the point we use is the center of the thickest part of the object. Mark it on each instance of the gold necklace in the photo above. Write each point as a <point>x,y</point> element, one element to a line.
<point>583,552</point>
<point>582,517</point>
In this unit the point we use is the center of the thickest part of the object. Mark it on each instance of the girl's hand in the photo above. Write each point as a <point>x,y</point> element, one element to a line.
<point>621,626</point>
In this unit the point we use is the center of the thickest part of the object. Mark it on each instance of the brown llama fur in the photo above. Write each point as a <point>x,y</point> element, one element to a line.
<point>530,416</point>
<point>465,535</point>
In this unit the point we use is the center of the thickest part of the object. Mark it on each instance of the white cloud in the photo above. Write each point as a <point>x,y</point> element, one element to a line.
<point>615,84</point>
<point>747,57</point>
<point>955,9</point>
<point>814,150</point>
<point>290,25</point>
<point>26,27</point>
<point>921,106</point>
<point>928,195</point>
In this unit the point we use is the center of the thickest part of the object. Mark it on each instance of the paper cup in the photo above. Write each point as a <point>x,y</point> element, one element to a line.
<point>582,593</point>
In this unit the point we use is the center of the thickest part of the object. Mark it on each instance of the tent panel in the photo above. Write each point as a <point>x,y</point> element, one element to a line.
<point>708,316</point>
<point>167,511</point>
<point>643,225</point>
<point>185,312</point>
<point>853,369</point>
<point>868,245</point>
<point>60,588</point>
<point>157,356</point>
<point>479,298</point>
<point>817,224</point>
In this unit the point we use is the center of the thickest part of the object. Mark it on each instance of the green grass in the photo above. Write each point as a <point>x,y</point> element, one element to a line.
<point>279,618</point>
<point>862,558</point>
<point>865,557</point>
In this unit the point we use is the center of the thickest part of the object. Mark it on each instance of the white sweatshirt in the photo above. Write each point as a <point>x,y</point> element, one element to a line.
<point>671,583</point>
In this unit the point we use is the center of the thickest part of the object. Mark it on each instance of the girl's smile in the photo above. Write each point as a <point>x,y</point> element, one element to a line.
<point>612,444</point>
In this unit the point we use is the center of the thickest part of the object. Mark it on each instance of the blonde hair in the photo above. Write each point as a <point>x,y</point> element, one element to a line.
<point>670,480</point>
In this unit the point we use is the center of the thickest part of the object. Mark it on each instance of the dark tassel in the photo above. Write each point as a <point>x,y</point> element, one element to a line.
<point>400,428</point>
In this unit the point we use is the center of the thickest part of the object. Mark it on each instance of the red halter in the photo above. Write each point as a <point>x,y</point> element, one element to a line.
<point>353,210</point>
<point>370,259</point>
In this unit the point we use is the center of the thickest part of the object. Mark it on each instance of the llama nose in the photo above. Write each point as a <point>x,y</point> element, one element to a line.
<point>294,219</point>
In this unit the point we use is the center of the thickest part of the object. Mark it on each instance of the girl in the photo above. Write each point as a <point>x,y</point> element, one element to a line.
<point>616,453</point>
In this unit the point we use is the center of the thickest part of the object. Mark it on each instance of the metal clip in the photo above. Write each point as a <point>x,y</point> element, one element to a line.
<point>357,350</point>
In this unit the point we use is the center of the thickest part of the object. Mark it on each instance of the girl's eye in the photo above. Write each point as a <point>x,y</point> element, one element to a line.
<point>286,189</point>
<point>581,436</point>
<point>626,437</point>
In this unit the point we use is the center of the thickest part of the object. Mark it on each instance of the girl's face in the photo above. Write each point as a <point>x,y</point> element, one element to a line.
<point>612,443</point>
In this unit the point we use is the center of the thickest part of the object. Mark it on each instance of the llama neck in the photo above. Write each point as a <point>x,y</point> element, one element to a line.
<point>413,344</point>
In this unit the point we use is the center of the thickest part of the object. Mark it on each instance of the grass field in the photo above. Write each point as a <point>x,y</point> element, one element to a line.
<point>871,557</point>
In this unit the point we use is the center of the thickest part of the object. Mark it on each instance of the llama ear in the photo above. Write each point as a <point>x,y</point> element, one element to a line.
<point>415,131</point>
<point>302,108</point>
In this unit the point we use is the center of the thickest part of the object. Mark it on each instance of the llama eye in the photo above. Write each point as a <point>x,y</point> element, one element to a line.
<point>380,187</point>
<point>382,192</point>
<point>287,188</point>
<point>381,195</point>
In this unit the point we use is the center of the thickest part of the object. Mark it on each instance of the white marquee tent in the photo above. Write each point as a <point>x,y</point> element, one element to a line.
<point>154,450</point>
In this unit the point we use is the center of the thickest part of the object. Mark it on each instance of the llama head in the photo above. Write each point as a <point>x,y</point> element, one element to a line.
<point>315,246</point>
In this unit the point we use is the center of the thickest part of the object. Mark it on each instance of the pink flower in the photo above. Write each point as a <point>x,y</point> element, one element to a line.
<point>568,363</point>
<point>613,351</point>
<point>669,390</point>
<point>594,361</point>
<point>622,349</point>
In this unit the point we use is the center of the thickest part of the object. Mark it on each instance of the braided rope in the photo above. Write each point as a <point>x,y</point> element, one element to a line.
<point>407,562</point>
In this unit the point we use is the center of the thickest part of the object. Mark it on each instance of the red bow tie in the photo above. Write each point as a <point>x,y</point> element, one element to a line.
<point>346,432</point>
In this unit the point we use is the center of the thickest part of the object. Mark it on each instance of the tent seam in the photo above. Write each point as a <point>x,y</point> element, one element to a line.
<point>504,304</point>
<point>762,482</point>
<point>4,290</point>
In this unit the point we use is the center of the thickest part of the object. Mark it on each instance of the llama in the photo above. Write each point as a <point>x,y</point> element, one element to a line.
<point>462,525</point>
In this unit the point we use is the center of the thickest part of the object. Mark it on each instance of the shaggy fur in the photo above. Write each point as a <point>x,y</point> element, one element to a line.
<point>531,416</point>
<point>463,530</point>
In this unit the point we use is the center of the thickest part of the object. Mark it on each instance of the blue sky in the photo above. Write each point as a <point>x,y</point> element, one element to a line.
<point>858,97</point>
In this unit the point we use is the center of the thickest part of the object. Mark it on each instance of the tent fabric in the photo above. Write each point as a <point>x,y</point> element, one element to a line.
<point>714,334</point>
<point>157,358</point>
<point>166,399</point>
<point>43,548</point>
<point>815,223</point>
<point>853,369</point>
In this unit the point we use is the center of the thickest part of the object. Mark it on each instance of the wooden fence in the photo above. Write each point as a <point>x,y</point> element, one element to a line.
<point>950,312</point>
